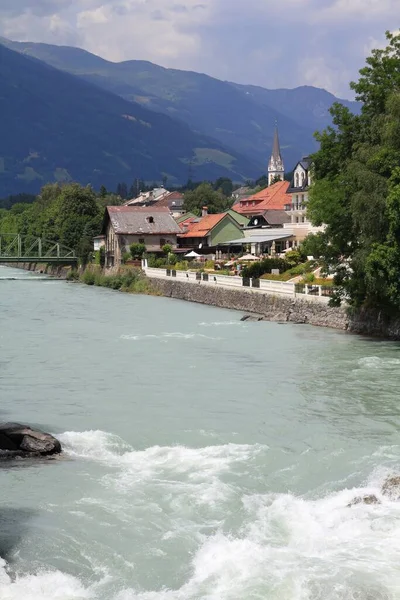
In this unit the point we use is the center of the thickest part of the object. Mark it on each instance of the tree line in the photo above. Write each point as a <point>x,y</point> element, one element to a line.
<point>356,189</point>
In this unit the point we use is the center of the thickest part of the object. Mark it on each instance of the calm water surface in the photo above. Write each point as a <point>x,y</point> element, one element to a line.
<point>206,459</point>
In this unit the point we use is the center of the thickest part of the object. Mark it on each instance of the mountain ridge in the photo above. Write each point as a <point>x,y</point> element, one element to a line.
<point>240,117</point>
<point>58,127</point>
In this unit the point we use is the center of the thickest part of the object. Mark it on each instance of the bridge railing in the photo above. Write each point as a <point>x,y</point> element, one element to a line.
<point>28,248</point>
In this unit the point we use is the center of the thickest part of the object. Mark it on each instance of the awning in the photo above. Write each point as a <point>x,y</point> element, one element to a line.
<point>259,239</point>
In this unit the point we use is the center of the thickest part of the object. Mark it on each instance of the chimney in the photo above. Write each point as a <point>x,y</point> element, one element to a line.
<point>204,211</point>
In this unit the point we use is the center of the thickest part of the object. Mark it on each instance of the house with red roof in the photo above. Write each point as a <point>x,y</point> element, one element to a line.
<point>209,230</point>
<point>267,208</point>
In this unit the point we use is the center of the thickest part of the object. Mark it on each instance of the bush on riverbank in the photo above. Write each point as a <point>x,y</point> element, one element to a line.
<point>126,280</point>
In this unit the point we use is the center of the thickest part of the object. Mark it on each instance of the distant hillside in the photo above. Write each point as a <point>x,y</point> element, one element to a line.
<point>56,127</point>
<point>240,117</point>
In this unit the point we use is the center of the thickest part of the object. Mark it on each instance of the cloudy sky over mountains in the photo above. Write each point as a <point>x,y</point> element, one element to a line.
<point>272,43</point>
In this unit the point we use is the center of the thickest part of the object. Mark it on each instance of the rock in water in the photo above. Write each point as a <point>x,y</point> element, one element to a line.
<point>21,440</point>
<point>391,488</point>
<point>371,499</point>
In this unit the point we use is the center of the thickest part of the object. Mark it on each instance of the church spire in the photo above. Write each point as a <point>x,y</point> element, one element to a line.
<point>276,167</point>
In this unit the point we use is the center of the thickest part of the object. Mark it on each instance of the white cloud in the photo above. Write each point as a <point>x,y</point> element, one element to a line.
<point>285,44</point>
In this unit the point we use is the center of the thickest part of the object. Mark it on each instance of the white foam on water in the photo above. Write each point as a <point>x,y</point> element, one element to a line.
<point>52,585</point>
<point>166,336</point>
<point>283,546</point>
<point>222,324</point>
<point>196,471</point>
<point>375,362</point>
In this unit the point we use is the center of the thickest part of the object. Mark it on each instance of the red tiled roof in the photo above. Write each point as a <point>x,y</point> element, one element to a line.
<point>203,227</point>
<point>272,198</point>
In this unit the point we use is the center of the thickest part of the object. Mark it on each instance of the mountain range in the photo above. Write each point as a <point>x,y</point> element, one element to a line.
<point>69,114</point>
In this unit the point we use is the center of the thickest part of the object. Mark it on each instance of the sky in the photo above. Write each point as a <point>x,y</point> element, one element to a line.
<point>271,43</point>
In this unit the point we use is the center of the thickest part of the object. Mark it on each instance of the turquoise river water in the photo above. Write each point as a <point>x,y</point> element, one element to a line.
<point>205,458</point>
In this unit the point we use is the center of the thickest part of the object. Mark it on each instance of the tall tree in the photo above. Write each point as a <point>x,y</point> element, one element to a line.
<point>356,185</point>
<point>205,195</point>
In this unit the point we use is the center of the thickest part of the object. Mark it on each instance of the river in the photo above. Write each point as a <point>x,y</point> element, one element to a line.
<point>205,458</point>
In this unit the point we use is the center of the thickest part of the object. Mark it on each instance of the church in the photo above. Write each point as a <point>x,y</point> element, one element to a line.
<point>278,214</point>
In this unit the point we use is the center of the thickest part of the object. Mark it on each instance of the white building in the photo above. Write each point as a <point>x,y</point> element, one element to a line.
<point>299,187</point>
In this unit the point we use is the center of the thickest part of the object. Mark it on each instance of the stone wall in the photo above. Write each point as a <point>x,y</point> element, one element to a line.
<point>282,309</point>
<point>271,308</point>
<point>59,271</point>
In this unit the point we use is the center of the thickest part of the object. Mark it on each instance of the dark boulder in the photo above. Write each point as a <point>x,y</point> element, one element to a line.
<point>391,488</point>
<point>21,440</point>
<point>252,318</point>
<point>371,499</point>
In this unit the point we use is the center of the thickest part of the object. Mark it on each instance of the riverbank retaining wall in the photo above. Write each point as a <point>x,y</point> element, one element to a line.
<point>281,309</point>
<point>58,271</point>
<point>270,307</point>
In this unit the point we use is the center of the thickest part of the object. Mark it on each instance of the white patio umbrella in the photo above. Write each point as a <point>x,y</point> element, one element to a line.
<point>249,257</point>
<point>192,254</point>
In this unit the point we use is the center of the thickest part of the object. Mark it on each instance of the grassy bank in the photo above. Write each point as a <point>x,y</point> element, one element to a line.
<point>132,281</point>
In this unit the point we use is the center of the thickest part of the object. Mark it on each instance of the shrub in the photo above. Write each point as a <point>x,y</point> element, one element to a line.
<point>166,249</point>
<point>259,268</point>
<point>137,250</point>
<point>293,258</point>
<point>72,275</point>
<point>89,277</point>
<point>126,256</point>
<point>209,264</point>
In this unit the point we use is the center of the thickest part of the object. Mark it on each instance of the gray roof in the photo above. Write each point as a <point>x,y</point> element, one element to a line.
<point>257,239</point>
<point>276,148</point>
<point>130,220</point>
<point>273,217</point>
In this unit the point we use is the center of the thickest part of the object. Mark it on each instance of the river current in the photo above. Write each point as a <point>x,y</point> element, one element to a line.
<point>205,458</point>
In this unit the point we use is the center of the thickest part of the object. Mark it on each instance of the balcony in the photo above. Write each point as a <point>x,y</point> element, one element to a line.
<point>295,207</point>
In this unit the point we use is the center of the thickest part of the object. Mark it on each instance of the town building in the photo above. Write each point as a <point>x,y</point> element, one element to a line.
<point>174,201</point>
<point>148,198</point>
<point>125,225</point>
<point>99,241</point>
<point>209,230</point>
<point>296,209</point>
<point>268,206</point>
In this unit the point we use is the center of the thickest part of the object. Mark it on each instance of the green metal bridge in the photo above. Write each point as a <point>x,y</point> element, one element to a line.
<point>16,248</point>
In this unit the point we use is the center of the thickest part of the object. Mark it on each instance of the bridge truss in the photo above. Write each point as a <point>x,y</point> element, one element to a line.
<point>16,248</point>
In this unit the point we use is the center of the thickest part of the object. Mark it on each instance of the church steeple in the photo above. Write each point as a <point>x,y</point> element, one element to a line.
<point>275,166</point>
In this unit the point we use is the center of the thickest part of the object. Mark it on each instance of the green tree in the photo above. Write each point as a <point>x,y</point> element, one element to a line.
<point>224,185</point>
<point>166,249</point>
<point>205,195</point>
<point>355,191</point>
<point>137,250</point>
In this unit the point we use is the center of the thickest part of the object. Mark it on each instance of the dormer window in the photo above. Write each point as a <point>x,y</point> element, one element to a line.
<point>297,180</point>
<point>150,219</point>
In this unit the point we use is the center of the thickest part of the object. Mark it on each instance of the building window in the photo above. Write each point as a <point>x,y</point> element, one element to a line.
<point>297,180</point>
<point>150,219</point>
<point>141,240</point>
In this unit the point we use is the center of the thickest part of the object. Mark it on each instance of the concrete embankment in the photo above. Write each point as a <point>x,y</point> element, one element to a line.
<point>58,271</point>
<point>272,308</point>
<point>282,309</point>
